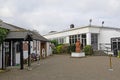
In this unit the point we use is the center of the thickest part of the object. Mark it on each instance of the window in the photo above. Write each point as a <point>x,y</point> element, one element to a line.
<point>6,46</point>
<point>94,41</point>
<point>17,47</point>
<point>115,43</point>
<point>60,40</point>
<point>34,45</point>
<point>74,38</point>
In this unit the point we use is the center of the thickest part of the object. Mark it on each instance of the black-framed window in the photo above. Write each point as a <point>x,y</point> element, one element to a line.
<point>74,38</point>
<point>17,47</point>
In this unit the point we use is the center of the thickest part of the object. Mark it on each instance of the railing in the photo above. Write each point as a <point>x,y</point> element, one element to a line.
<point>105,47</point>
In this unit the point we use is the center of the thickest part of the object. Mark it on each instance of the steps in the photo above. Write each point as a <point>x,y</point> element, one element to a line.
<point>100,53</point>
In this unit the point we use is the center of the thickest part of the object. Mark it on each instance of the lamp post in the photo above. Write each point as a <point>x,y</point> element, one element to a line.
<point>90,22</point>
<point>102,23</point>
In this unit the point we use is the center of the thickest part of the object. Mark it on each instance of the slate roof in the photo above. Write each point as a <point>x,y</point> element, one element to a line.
<point>21,33</point>
<point>11,27</point>
<point>17,35</point>
<point>37,36</point>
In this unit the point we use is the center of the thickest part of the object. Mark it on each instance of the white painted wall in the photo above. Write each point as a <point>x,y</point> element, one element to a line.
<point>0,56</point>
<point>107,34</point>
<point>88,38</point>
<point>17,58</point>
<point>67,39</point>
<point>40,47</point>
<point>67,33</point>
<point>31,44</point>
<point>94,29</point>
<point>104,33</point>
<point>38,44</point>
<point>49,49</point>
<point>25,54</point>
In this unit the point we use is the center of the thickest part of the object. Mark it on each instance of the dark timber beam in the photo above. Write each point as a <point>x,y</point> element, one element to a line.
<point>21,56</point>
<point>3,56</point>
<point>29,56</point>
<point>9,53</point>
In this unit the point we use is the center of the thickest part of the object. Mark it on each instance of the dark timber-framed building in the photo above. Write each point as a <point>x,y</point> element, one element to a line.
<point>20,44</point>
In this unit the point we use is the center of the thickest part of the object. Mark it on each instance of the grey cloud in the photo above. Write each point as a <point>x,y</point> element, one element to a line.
<point>59,14</point>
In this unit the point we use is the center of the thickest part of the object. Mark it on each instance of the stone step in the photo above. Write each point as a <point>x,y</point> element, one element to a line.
<point>99,53</point>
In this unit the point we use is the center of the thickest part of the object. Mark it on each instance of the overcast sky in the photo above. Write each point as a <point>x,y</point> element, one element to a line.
<point>57,15</point>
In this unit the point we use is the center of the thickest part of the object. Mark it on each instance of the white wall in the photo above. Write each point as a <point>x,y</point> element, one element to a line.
<point>104,33</point>
<point>31,44</point>
<point>25,54</point>
<point>67,39</point>
<point>88,38</point>
<point>94,29</point>
<point>67,33</point>
<point>107,34</point>
<point>49,50</point>
<point>39,48</point>
<point>78,31</point>
<point>0,56</point>
<point>17,58</point>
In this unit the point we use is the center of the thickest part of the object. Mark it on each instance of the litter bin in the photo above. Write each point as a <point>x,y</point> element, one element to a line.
<point>115,52</point>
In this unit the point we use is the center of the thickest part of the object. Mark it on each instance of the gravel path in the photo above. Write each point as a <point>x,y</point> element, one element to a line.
<point>63,67</point>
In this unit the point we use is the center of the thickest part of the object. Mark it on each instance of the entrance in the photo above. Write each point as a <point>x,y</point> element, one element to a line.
<point>115,43</point>
<point>43,48</point>
<point>83,40</point>
<point>94,41</point>
<point>7,54</point>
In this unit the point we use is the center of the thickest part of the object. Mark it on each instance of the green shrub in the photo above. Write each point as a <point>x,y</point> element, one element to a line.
<point>54,51</point>
<point>59,49</point>
<point>72,47</point>
<point>65,48</point>
<point>55,42</point>
<point>88,50</point>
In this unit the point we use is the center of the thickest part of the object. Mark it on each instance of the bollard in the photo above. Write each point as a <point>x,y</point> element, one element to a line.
<point>110,62</point>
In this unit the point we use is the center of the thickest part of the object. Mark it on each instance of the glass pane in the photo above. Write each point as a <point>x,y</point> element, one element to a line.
<point>118,45</point>
<point>78,35</point>
<point>83,35</point>
<point>73,36</point>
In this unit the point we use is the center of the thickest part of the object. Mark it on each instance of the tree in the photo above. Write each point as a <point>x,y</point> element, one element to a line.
<point>3,34</point>
<point>55,42</point>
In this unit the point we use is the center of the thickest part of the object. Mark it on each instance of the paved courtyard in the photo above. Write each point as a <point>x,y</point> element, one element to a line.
<point>62,67</point>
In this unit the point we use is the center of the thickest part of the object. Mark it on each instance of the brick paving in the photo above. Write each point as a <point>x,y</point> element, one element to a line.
<point>63,67</point>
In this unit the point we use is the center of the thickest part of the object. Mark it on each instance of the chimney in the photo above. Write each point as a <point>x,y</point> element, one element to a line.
<point>72,26</point>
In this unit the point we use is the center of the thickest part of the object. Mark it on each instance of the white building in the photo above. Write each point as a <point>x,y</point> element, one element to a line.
<point>97,36</point>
